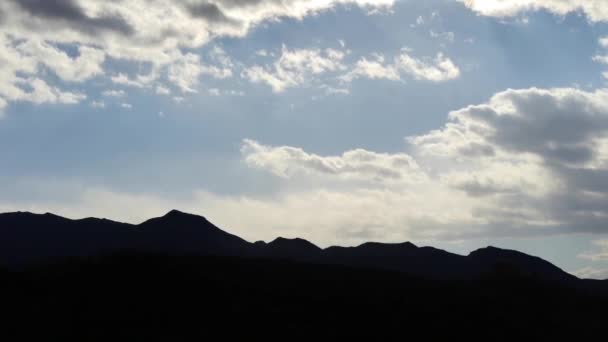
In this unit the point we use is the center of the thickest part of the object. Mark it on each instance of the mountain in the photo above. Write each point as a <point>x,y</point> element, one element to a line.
<point>183,233</point>
<point>180,278</point>
<point>403,257</point>
<point>26,237</point>
<point>33,238</point>
<point>514,263</point>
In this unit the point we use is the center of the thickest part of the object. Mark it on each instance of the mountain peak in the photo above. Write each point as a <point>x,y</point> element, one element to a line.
<point>176,219</point>
<point>402,245</point>
<point>177,213</point>
<point>293,243</point>
<point>180,217</point>
<point>494,251</point>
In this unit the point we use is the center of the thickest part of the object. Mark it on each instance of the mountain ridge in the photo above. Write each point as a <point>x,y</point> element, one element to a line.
<point>43,237</point>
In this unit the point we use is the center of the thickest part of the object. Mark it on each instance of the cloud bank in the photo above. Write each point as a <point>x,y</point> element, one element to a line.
<point>596,10</point>
<point>527,162</point>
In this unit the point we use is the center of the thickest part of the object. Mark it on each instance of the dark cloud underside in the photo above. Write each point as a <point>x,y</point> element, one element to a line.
<point>69,11</point>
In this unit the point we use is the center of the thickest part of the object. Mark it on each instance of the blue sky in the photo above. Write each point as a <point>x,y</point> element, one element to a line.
<point>447,123</point>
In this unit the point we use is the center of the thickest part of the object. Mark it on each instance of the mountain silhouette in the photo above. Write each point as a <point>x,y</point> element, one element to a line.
<point>180,278</point>
<point>27,238</point>
<point>510,262</point>
<point>183,233</point>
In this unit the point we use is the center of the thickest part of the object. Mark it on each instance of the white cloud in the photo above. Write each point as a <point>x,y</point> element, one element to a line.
<point>600,59</point>
<point>597,255</point>
<point>185,72</point>
<point>113,93</point>
<point>3,105</point>
<point>359,164</point>
<point>41,92</point>
<point>126,105</point>
<point>295,67</point>
<point>345,218</point>
<point>236,92</point>
<point>592,273</point>
<point>262,53</point>
<point>603,59</point>
<point>187,69</point>
<point>98,104</point>
<point>86,65</point>
<point>596,10</point>
<point>447,35</point>
<point>161,90</point>
<point>139,81</point>
<point>438,69</point>
<point>17,75</point>
<point>373,69</point>
<point>329,90</point>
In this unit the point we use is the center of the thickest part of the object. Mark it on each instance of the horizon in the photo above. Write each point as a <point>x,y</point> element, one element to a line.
<point>448,123</point>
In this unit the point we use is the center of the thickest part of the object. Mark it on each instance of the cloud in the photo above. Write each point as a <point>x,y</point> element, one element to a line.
<point>98,104</point>
<point>3,105</point>
<point>528,162</point>
<point>285,161</point>
<point>592,273</point>
<point>139,81</point>
<point>295,67</point>
<point>437,69</point>
<point>113,93</point>
<point>41,92</point>
<point>596,10</point>
<point>163,90</point>
<point>372,69</point>
<point>323,216</point>
<point>603,59</point>
<point>86,65</point>
<point>598,255</point>
<point>158,33</point>
<point>551,144</point>
<point>559,126</point>
<point>70,12</point>
<point>187,69</point>
<point>21,62</point>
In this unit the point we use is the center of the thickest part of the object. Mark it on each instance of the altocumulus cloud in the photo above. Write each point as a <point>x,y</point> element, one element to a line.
<point>437,69</point>
<point>156,33</point>
<point>295,67</point>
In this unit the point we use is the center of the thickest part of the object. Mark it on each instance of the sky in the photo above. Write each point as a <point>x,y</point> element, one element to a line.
<point>452,123</point>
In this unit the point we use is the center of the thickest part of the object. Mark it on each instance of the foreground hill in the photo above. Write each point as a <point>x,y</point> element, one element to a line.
<point>180,278</point>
